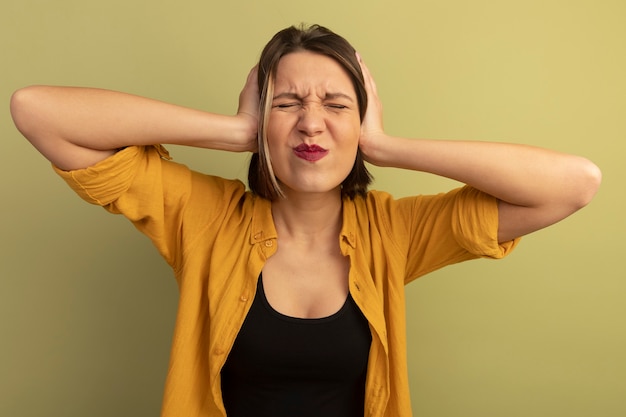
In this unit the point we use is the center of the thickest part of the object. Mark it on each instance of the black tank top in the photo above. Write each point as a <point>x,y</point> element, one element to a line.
<point>283,366</point>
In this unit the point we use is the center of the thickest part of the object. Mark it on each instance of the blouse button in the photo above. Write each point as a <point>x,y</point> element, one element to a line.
<point>268,243</point>
<point>243,298</point>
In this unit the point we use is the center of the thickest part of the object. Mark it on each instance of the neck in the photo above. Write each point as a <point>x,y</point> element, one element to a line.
<point>308,216</point>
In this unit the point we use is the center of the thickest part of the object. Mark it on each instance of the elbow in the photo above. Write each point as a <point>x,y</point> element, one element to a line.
<point>588,182</point>
<point>22,110</point>
<point>32,111</point>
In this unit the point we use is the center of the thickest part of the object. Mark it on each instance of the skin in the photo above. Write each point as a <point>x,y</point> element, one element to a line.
<point>314,103</point>
<point>536,187</point>
<point>307,277</point>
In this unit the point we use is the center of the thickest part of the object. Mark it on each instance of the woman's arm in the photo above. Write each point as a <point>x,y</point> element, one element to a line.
<point>536,187</point>
<point>77,127</point>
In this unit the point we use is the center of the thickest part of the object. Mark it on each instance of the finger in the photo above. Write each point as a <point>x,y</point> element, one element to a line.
<point>249,96</point>
<point>370,85</point>
<point>253,74</point>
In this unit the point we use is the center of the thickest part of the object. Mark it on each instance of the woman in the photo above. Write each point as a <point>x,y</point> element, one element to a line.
<point>292,294</point>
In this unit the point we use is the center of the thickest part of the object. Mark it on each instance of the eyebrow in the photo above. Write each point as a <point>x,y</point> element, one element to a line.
<point>328,96</point>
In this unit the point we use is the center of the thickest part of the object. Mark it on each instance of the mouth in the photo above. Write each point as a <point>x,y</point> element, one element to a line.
<point>310,153</point>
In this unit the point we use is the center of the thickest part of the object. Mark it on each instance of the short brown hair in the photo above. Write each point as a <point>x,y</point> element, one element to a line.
<point>321,40</point>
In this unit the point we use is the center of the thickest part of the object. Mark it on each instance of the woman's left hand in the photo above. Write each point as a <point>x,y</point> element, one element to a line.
<point>372,132</point>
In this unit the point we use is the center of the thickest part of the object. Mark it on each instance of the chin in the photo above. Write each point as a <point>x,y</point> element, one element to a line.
<point>311,189</point>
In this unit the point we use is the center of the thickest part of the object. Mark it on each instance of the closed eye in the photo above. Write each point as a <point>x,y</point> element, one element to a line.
<point>287,106</point>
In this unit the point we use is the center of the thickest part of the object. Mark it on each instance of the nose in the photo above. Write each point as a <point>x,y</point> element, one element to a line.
<point>312,120</point>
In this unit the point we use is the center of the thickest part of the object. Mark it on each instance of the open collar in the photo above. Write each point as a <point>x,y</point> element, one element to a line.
<point>263,228</point>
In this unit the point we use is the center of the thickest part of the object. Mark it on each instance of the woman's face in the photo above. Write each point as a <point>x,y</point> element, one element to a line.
<point>314,124</point>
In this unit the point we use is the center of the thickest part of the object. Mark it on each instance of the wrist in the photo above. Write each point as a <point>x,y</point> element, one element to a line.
<point>376,147</point>
<point>247,130</point>
<point>228,133</point>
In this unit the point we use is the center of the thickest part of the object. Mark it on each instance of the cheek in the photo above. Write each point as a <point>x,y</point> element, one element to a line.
<point>273,133</point>
<point>277,127</point>
<point>349,146</point>
<point>270,128</point>
<point>351,134</point>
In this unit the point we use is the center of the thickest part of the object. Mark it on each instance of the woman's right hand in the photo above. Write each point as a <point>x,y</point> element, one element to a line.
<point>248,111</point>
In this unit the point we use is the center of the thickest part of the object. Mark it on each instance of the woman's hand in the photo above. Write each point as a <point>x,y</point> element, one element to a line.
<point>248,111</point>
<point>372,133</point>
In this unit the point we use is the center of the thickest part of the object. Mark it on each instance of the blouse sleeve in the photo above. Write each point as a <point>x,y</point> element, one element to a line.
<point>438,230</point>
<point>164,200</point>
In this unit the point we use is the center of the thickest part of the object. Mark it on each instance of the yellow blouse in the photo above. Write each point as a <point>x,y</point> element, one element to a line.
<point>217,236</point>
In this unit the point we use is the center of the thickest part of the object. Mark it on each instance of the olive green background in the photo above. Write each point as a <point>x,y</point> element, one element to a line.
<point>87,306</point>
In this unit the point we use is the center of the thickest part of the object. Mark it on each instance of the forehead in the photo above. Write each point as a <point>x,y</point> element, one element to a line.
<point>307,72</point>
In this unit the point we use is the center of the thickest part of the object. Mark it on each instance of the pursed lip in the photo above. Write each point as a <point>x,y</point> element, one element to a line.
<point>310,153</point>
